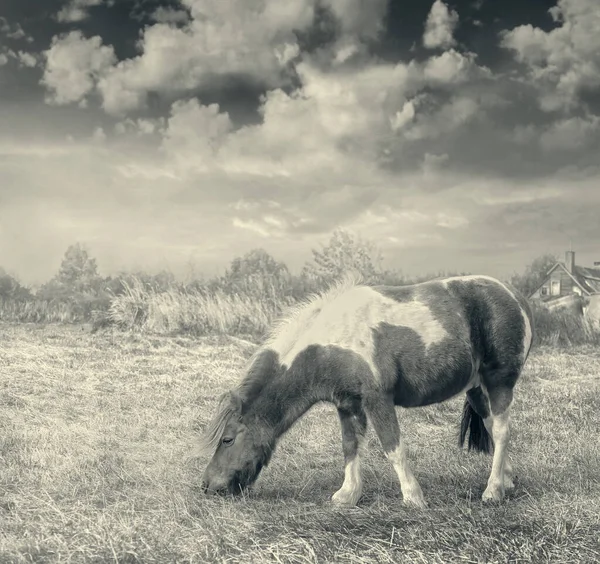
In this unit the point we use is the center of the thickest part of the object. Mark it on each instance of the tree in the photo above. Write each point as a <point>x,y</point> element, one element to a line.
<point>77,268</point>
<point>345,253</point>
<point>77,282</point>
<point>11,289</point>
<point>256,274</point>
<point>256,262</point>
<point>534,274</point>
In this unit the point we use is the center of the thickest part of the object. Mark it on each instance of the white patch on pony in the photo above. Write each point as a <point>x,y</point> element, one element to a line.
<point>411,490</point>
<point>498,426</point>
<point>528,337</point>
<point>351,489</point>
<point>346,317</point>
<point>470,277</point>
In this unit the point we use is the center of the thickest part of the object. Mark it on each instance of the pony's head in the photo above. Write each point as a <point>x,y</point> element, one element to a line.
<point>241,447</point>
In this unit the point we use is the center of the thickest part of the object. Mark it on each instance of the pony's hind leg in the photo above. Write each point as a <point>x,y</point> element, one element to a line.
<point>479,422</point>
<point>498,423</point>
<point>508,468</point>
<point>354,427</point>
<point>382,413</point>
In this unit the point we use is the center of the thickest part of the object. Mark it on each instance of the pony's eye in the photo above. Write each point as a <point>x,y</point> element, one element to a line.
<point>228,441</point>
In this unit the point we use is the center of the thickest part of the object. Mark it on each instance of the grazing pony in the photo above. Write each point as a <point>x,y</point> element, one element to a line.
<point>367,349</point>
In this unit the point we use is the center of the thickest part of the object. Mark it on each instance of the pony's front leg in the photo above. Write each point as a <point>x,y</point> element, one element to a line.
<point>354,427</point>
<point>382,413</point>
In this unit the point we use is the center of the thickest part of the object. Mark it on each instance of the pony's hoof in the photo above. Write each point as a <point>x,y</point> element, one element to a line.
<point>345,498</point>
<point>415,499</point>
<point>492,495</point>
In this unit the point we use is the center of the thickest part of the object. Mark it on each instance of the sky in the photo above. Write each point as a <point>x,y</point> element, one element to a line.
<point>457,136</point>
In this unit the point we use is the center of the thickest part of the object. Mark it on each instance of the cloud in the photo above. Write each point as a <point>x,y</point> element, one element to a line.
<point>452,67</point>
<point>439,27</point>
<point>334,119</point>
<point>221,39</point>
<point>77,10</point>
<point>404,116</point>
<point>3,59</point>
<point>571,134</point>
<point>99,136</point>
<point>564,62</point>
<point>73,65</point>
<point>14,32</point>
<point>141,126</point>
<point>358,18</point>
<point>341,121</point>
<point>450,116</point>
<point>27,59</point>
<point>169,15</point>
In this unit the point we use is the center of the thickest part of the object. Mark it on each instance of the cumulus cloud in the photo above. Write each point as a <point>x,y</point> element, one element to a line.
<point>402,118</point>
<point>141,126</point>
<point>455,113</point>
<point>333,118</point>
<point>77,10</point>
<point>268,218</point>
<point>170,15</point>
<point>571,134</point>
<point>439,27</point>
<point>195,134</point>
<point>358,18</point>
<point>563,62</point>
<point>27,59</point>
<point>340,121</point>
<point>13,31</point>
<point>73,65</point>
<point>452,67</point>
<point>255,40</point>
<point>3,59</point>
<point>99,135</point>
<point>221,39</point>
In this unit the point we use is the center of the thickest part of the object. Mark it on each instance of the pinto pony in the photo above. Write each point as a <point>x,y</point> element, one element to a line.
<point>367,349</point>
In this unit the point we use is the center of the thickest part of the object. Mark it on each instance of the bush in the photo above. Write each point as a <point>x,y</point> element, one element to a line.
<point>197,311</point>
<point>563,328</point>
<point>37,311</point>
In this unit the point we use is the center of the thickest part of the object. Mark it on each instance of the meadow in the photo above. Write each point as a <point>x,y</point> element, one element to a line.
<point>98,463</point>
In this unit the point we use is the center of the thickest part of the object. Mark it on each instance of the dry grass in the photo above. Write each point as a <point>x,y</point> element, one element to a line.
<point>561,328</point>
<point>37,311</point>
<point>96,431</point>
<point>177,311</point>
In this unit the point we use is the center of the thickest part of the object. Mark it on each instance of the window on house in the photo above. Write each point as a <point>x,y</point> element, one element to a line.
<point>544,291</point>
<point>555,288</point>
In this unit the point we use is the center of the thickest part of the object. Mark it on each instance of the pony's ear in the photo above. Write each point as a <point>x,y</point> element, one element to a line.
<point>235,402</point>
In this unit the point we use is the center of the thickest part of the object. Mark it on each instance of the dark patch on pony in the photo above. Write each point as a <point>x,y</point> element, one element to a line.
<point>413,370</point>
<point>264,366</point>
<point>472,423</point>
<point>413,373</point>
<point>318,373</point>
<point>489,308</point>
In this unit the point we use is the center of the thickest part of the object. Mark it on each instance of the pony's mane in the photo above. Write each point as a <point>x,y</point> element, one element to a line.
<point>214,430</point>
<point>298,317</point>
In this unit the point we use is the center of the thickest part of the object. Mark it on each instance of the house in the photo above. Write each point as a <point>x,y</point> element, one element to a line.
<point>567,279</point>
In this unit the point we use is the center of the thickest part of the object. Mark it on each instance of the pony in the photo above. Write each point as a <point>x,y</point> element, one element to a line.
<point>370,348</point>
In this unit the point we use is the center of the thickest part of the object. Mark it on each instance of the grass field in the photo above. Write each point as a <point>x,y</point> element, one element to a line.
<point>96,433</point>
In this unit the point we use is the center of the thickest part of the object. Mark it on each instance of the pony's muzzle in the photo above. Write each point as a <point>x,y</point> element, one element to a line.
<point>220,489</point>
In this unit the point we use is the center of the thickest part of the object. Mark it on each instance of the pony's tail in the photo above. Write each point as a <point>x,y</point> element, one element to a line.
<point>479,438</point>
